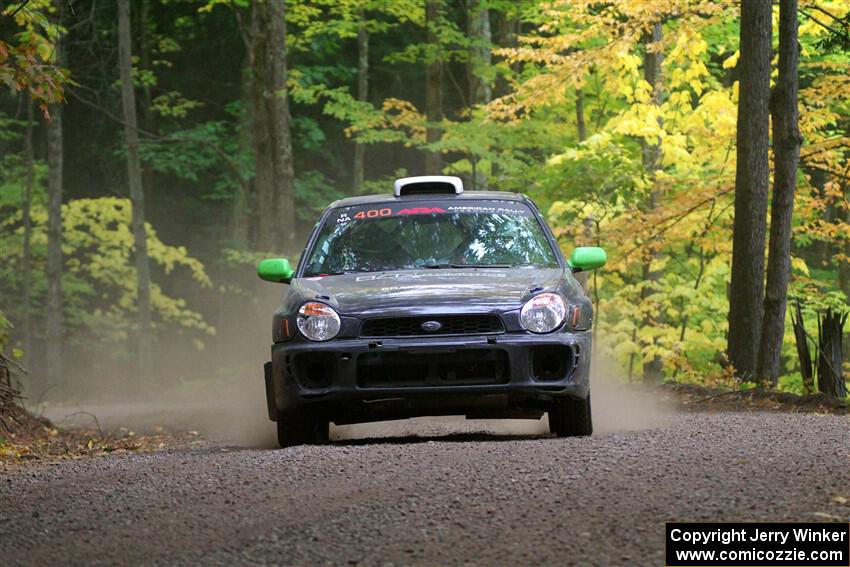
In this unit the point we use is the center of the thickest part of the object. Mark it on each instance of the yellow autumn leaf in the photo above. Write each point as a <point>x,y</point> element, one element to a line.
<point>799,265</point>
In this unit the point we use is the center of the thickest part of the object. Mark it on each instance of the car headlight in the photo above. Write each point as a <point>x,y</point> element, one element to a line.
<point>543,313</point>
<point>318,322</point>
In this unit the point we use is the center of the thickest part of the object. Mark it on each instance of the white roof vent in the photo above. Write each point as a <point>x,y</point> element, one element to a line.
<point>428,184</point>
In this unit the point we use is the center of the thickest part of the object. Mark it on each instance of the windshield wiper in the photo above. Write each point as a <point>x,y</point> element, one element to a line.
<point>325,274</point>
<point>458,266</point>
<point>437,266</point>
<point>339,273</point>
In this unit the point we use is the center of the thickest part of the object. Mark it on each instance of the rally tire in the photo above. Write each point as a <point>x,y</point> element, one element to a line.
<point>299,429</point>
<point>571,417</point>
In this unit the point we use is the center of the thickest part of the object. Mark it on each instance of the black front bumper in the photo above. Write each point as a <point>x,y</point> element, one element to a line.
<point>353,380</point>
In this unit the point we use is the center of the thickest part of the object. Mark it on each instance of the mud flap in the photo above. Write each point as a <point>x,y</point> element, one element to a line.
<point>267,369</point>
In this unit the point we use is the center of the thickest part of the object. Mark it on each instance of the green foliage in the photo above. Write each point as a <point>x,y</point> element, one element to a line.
<point>206,150</point>
<point>9,128</point>
<point>315,192</point>
<point>12,181</point>
<point>173,104</point>
<point>307,133</point>
<point>99,281</point>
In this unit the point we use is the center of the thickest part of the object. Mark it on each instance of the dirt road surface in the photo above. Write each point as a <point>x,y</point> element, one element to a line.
<point>458,496</point>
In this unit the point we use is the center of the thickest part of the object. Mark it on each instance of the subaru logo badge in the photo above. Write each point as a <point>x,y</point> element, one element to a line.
<point>432,326</point>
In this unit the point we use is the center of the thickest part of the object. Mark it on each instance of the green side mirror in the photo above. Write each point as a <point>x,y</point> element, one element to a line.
<point>586,258</point>
<point>276,270</point>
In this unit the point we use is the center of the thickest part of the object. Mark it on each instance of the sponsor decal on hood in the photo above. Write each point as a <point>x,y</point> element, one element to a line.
<point>441,274</point>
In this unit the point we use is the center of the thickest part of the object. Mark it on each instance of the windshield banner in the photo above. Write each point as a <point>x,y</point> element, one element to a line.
<point>383,210</point>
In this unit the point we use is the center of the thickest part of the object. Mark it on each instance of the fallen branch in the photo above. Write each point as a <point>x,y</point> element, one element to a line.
<point>720,395</point>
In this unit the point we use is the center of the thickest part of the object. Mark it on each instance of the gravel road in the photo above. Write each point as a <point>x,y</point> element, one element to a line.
<point>463,498</point>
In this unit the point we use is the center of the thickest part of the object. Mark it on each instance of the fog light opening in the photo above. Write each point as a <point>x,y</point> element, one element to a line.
<point>314,370</point>
<point>315,373</point>
<point>551,363</point>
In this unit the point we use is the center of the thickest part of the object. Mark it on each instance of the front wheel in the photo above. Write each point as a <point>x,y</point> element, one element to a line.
<point>570,417</point>
<point>299,429</point>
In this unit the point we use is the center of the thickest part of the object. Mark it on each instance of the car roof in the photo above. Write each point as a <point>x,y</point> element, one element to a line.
<point>465,196</point>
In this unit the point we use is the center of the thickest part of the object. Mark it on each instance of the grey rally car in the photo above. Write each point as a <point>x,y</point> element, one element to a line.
<point>430,301</point>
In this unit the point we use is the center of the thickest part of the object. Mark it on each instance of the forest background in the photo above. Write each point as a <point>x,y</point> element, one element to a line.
<point>151,152</point>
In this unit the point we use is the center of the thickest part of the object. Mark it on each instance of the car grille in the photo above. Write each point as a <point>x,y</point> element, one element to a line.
<point>450,325</point>
<point>463,368</point>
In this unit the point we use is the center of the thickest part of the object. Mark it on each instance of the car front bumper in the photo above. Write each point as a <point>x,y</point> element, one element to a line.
<point>353,380</point>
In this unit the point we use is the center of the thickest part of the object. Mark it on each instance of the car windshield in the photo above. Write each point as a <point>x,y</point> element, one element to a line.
<point>433,234</point>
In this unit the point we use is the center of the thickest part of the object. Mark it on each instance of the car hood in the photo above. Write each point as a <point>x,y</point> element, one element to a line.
<point>423,290</point>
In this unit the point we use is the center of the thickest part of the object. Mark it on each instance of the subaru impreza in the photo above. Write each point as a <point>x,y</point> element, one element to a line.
<point>430,301</point>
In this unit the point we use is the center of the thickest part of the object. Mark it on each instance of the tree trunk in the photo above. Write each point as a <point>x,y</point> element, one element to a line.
<point>261,116</point>
<point>362,96</point>
<point>145,63</point>
<point>844,265</point>
<point>53,331</point>
<point>580,124</point>
<point>274,177</point>
<point>480,93</point>
<point>653,59</point>
<point>284,175</point>
<point>54,318</point>
<point>786,153</point>
<point>26,268</point>
<point>508,27</point>
<point>831,355</point>
<point>137,195</point>
<point>148,115</point>
<point>746,290</point>
<point>433,90</point>
<point>480,59</point>
<point>240,206</point>
<point>651,153</point>
<point>589,222</point>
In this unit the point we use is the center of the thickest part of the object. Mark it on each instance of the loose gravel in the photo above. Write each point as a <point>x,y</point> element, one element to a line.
<point>467,498</point>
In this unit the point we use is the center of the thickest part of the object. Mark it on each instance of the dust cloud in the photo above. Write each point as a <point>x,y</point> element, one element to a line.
<point>233,414</point>
<point>617,407</point>
<point>217,390</point>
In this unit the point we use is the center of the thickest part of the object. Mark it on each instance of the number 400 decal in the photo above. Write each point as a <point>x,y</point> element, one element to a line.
<point>373,213</point>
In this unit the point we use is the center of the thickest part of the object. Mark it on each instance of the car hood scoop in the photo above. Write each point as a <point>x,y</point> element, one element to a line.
<point>480,289</point>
